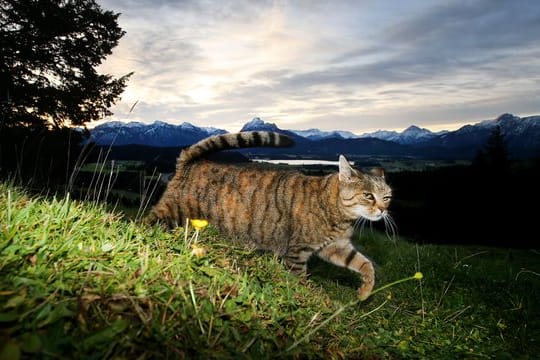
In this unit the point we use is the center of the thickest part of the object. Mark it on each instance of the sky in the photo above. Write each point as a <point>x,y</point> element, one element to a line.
<point>358,65</point>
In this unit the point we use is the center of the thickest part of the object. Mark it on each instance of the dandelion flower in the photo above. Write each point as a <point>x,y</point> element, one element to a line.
<point>417,276</point>
<point>198,224</point>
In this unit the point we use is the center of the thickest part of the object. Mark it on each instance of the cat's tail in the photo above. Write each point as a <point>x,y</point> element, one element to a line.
<point>244,139</point>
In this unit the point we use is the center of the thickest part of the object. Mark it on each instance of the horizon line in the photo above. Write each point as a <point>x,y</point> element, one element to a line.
<point>450,126</point>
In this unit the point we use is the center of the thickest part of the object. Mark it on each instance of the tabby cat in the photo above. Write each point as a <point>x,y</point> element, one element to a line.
<point>289,213</point>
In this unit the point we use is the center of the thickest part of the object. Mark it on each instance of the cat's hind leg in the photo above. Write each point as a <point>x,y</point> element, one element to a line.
<point>297,257</point>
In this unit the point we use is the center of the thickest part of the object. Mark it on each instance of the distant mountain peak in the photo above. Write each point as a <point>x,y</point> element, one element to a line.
<point>414,128</point>
<point>258,124</point>
<point>256,121</point>
<point>505,118</point>
<point>412,134</point>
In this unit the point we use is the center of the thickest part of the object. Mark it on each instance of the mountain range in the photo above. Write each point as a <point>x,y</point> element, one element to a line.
<point>158,134</point>
<point>522,137</point>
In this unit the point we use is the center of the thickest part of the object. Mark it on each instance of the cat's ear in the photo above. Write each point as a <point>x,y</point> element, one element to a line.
<point>378,171</point>
<point>346,172</point>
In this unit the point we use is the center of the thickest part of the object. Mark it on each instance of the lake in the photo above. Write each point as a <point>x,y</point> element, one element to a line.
<point>300,161</point>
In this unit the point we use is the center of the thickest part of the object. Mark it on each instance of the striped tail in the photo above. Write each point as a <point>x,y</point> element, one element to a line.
<point>234,141</point>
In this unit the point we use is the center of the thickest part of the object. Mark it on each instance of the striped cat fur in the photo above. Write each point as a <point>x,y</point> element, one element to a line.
<point>292,214</point>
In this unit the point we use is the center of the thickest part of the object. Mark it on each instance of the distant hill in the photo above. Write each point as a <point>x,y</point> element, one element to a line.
<point>522,136</point>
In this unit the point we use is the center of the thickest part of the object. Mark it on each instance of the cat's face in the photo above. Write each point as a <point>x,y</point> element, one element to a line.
<point>363,195</point>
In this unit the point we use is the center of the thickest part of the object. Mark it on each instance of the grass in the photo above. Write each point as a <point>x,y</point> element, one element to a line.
<point>77,281</point>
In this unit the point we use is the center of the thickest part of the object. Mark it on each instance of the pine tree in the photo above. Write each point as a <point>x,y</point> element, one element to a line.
<point>496,151</point>
<point>493,161</point>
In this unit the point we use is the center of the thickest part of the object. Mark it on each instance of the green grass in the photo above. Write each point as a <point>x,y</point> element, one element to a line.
<point>77,281</point>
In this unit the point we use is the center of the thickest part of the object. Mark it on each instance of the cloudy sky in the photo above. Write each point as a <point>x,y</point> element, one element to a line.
<point>358,65</point>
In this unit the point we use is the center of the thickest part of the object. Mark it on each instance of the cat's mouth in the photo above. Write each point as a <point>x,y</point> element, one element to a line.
<point>389,224</point>
<point>372,216</point>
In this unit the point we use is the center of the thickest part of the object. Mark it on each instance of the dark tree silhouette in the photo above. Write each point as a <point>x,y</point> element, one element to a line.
<point>497,152</point>
<point>49,51</point>
<point>495,155</point>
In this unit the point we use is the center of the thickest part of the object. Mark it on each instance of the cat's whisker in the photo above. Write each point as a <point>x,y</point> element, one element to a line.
<point>356,226</point>
<point>394,226</point>
<point>359,224</point>
<point>390,227</point>
<point>364,222</point>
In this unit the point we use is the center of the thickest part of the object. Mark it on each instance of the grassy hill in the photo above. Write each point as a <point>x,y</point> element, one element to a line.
<point>78,281</point>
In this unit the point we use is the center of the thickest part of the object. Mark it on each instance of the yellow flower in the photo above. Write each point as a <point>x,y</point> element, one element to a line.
<point>197,250</point>
<point>198,224</point>
<point>417,276</point>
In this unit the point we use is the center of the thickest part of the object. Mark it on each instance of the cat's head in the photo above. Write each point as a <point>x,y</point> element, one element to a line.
<point>362,194</point>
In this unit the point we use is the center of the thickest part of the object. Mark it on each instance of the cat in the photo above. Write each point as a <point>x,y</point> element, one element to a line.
<point>292,214</point>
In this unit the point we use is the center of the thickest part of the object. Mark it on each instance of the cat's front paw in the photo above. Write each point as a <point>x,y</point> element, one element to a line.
<point>365,290</point>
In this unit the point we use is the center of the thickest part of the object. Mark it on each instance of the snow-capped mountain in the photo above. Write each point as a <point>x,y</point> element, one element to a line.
<point>388,135</point>
<point>411,135</point>
<point>522,136</point>
<point>414,134</point>
<point>257,124</point>
<point>159,134</point>
<point>316,134</point>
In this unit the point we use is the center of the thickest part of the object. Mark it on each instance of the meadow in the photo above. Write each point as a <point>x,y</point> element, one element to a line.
<point>78,280</point>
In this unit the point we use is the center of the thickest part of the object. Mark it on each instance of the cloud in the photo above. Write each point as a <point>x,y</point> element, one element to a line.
<point>345,64</point>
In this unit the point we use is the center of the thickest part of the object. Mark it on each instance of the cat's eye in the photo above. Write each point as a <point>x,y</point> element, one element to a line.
<point>368,196</point>
<point>387,198</point>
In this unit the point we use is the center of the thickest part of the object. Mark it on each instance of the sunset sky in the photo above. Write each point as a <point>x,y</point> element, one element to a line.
<point>334,65</point>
